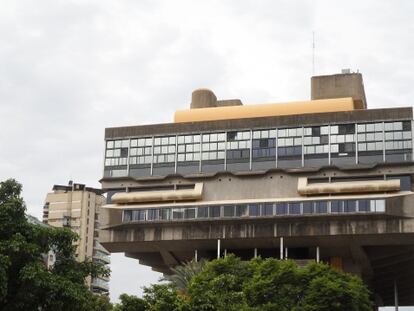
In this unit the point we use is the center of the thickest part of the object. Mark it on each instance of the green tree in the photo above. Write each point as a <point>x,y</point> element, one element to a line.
<point>131,303</point>
<point>26,283</point>
<point>182,275</point>
<point>271,284</point>
<point>219,286</point>
<point>164,297</point>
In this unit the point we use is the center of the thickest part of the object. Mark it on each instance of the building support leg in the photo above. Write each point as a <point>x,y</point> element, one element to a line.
<point>225,252</point>
<point>396,295</point>
<point>195,256</point>
<point>255,253</point>
<point>281,248</point>
<point>218,248</point>
<point>286,253</point>
<point>317,254</point>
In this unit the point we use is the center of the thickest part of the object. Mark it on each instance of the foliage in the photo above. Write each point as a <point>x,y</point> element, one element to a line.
<point>131,303</point>
<point>231,284</point>
<point>182,275</point>
<point>25,281</point>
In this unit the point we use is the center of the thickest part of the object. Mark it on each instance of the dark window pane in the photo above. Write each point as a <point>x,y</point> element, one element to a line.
<point>202,212</point>
<point>177,214</point>
<point>254,210</point>
<point>228,210</point>
<point>241,210</point>
<point>268,209</point>
<point>316,131</point>
<point>231,136</point>
<point>264,143</point>
<point>350,206</point>
<point>321,207</point>
<point>407,126</point>
<point>189,213</point>
<point>124,152</point>
<point>336,206</point>
<point>363,205</point>
<point>214,211</point>
<point>165,214</point>
<point>281,208</point>
<point>294,208</point>
<point>307,207</point>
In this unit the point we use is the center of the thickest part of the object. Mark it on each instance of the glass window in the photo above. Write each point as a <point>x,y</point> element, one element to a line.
<point>153,214</point>
<point>215,211</point>
<point>268,209</point>
<point>202,212</point>
<point>228,210</point>
<point>364,206</point>
<point>177,213</point>
<point>241,210</point>
<point>254,210</point>
<point>189,213</point>
<point>307,207</point>
<point>294,208</point>
<point>321,207</point>
<point>127,215</point>
<point>350,206</point>
<point>380,205</point>
<point>165,213</point>
<point>281,208</point>
<point>336,207</point>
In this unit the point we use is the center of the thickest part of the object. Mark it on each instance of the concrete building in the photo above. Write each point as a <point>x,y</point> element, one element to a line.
<point>326,180</point>
<point>77,207</point>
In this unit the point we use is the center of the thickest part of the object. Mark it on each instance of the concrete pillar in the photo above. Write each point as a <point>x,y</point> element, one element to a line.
<point>317,254</point>
<point>255,253</point>
<point>286,253</point>
<point>195,256</point>
<point>225,252</point>
<point>281,248</point>
<point>218,248</point>
<point>396,295</point>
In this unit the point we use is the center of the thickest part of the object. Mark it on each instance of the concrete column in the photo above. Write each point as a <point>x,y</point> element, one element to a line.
<point>396,295</point>
<point>317,254</point>
<point>255,253</point>
<point>225,252</point>
<point>218,248</point>
<point>281,248</point>
<point>195,256</point>
<point>286,253</point>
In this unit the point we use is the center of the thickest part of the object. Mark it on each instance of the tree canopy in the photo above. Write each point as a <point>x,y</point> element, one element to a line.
<point>25,281</point>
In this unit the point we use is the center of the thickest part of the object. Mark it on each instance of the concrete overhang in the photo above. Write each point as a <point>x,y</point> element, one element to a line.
<point>365,186</point>
<point>159,196</point>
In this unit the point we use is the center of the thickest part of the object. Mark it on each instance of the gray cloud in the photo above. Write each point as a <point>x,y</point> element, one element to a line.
<point>68,69</point>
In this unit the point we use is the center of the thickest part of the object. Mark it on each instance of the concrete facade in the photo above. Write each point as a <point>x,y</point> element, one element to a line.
<point>327,186</point>
<point>77,207</point>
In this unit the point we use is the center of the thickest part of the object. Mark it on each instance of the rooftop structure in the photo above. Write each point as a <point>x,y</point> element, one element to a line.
<point>326,180</point>
<point>77,207</point>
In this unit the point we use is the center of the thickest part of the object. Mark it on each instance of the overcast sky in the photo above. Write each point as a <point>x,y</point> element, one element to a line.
<point>68,69</point>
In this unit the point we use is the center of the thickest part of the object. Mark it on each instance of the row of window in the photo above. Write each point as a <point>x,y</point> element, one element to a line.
<point>399,128</point>
<point>257,210</point>
<point>316,142</point>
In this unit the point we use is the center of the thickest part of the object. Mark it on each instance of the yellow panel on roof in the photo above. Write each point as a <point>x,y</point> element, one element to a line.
<point>264,110</point>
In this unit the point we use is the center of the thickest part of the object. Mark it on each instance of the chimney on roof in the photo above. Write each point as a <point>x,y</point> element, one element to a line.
<point>345,84</point>
<point>205,98</point>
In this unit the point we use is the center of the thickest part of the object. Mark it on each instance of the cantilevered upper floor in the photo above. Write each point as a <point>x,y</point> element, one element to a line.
<point>225,136</point>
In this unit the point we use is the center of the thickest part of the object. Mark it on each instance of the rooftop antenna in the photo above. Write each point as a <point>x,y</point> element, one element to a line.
<point>313,53</point>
